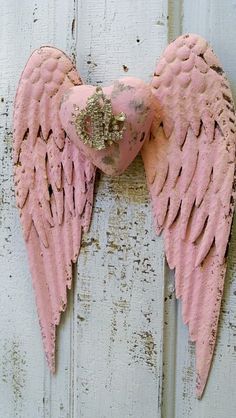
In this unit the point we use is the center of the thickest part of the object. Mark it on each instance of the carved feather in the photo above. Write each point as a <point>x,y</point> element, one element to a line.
<point>53,182</point>
<point>193,199</point>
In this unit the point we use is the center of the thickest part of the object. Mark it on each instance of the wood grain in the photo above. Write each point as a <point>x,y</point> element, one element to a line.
<point>120,279</point>
<point>26,385</point>
<point>215,21</point>
<point>109,361</point>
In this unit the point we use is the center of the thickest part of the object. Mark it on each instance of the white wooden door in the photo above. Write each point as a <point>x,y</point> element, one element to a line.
<point>122,349</point>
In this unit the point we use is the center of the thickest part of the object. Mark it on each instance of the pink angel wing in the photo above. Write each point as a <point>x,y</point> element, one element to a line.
<point>54,185</point>
<point>190,168</point>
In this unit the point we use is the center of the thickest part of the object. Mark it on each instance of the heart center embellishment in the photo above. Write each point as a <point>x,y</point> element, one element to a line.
<point>109,125</point>
<point>96,125</point>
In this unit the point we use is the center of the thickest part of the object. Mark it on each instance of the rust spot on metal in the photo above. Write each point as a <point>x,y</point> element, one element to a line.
<point>108,160</point>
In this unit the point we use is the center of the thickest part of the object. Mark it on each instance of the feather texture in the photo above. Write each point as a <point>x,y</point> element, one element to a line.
<point>190,167</point>
<point>53,182</point>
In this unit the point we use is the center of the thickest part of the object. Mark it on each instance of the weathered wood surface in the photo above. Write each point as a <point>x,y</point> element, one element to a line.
<point>122,331</point>
<point>215,20</point>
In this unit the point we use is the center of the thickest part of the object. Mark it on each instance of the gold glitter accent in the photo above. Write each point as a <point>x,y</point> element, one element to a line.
<point>96,124</point>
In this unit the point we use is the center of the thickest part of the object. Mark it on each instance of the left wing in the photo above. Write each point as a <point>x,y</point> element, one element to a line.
<point>54,185</point>
<point>190,168</point>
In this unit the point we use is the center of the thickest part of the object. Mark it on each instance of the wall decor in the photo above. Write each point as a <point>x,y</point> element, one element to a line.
<point>183,123</point>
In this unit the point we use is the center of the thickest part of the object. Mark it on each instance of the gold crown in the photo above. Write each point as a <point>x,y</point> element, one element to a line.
<point>96,124</point>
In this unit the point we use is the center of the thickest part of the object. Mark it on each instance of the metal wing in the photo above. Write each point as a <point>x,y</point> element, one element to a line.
<point>190,169</point>
<point>54,185</point>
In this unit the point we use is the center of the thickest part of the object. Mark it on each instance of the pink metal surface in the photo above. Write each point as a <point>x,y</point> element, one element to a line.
<point>189,159</point>
<point>54,185</point>
<point>129,95</point>
<point>190,167</point>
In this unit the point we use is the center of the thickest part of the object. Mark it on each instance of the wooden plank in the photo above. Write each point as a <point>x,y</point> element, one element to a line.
<point>119,296</point>
<point>110,342</point>
<point>116,40</point>
<point>169,345</point>
<point>26,388</point>
<point>118,346</point>
<point>215,20</point>
<point>175,19</point>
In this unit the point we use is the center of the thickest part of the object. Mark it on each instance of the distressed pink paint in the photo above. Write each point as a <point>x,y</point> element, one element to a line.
<point>185,124</point>
<point>129,95</point>
<point>190,167</point>
<point>54,185</point>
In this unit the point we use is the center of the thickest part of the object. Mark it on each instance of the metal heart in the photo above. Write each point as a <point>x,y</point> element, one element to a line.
<point>109,125</point>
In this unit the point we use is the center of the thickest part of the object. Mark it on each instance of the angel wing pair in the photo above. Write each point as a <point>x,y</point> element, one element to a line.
<point>184,124</point>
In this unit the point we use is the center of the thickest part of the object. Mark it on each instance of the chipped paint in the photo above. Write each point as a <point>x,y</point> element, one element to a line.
<point>14,373</point>
<point>144,349</point>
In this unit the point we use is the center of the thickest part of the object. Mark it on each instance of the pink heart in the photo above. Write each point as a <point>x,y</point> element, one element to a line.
<point>129,96</point>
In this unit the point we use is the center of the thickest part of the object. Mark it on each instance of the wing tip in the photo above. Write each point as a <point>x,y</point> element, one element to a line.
<point>51,364</point>
<point>201,381</point>
<point>199,392</point>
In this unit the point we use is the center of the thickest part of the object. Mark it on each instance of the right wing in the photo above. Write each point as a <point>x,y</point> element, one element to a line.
<point>190,168</point>
<point>54,185</point>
